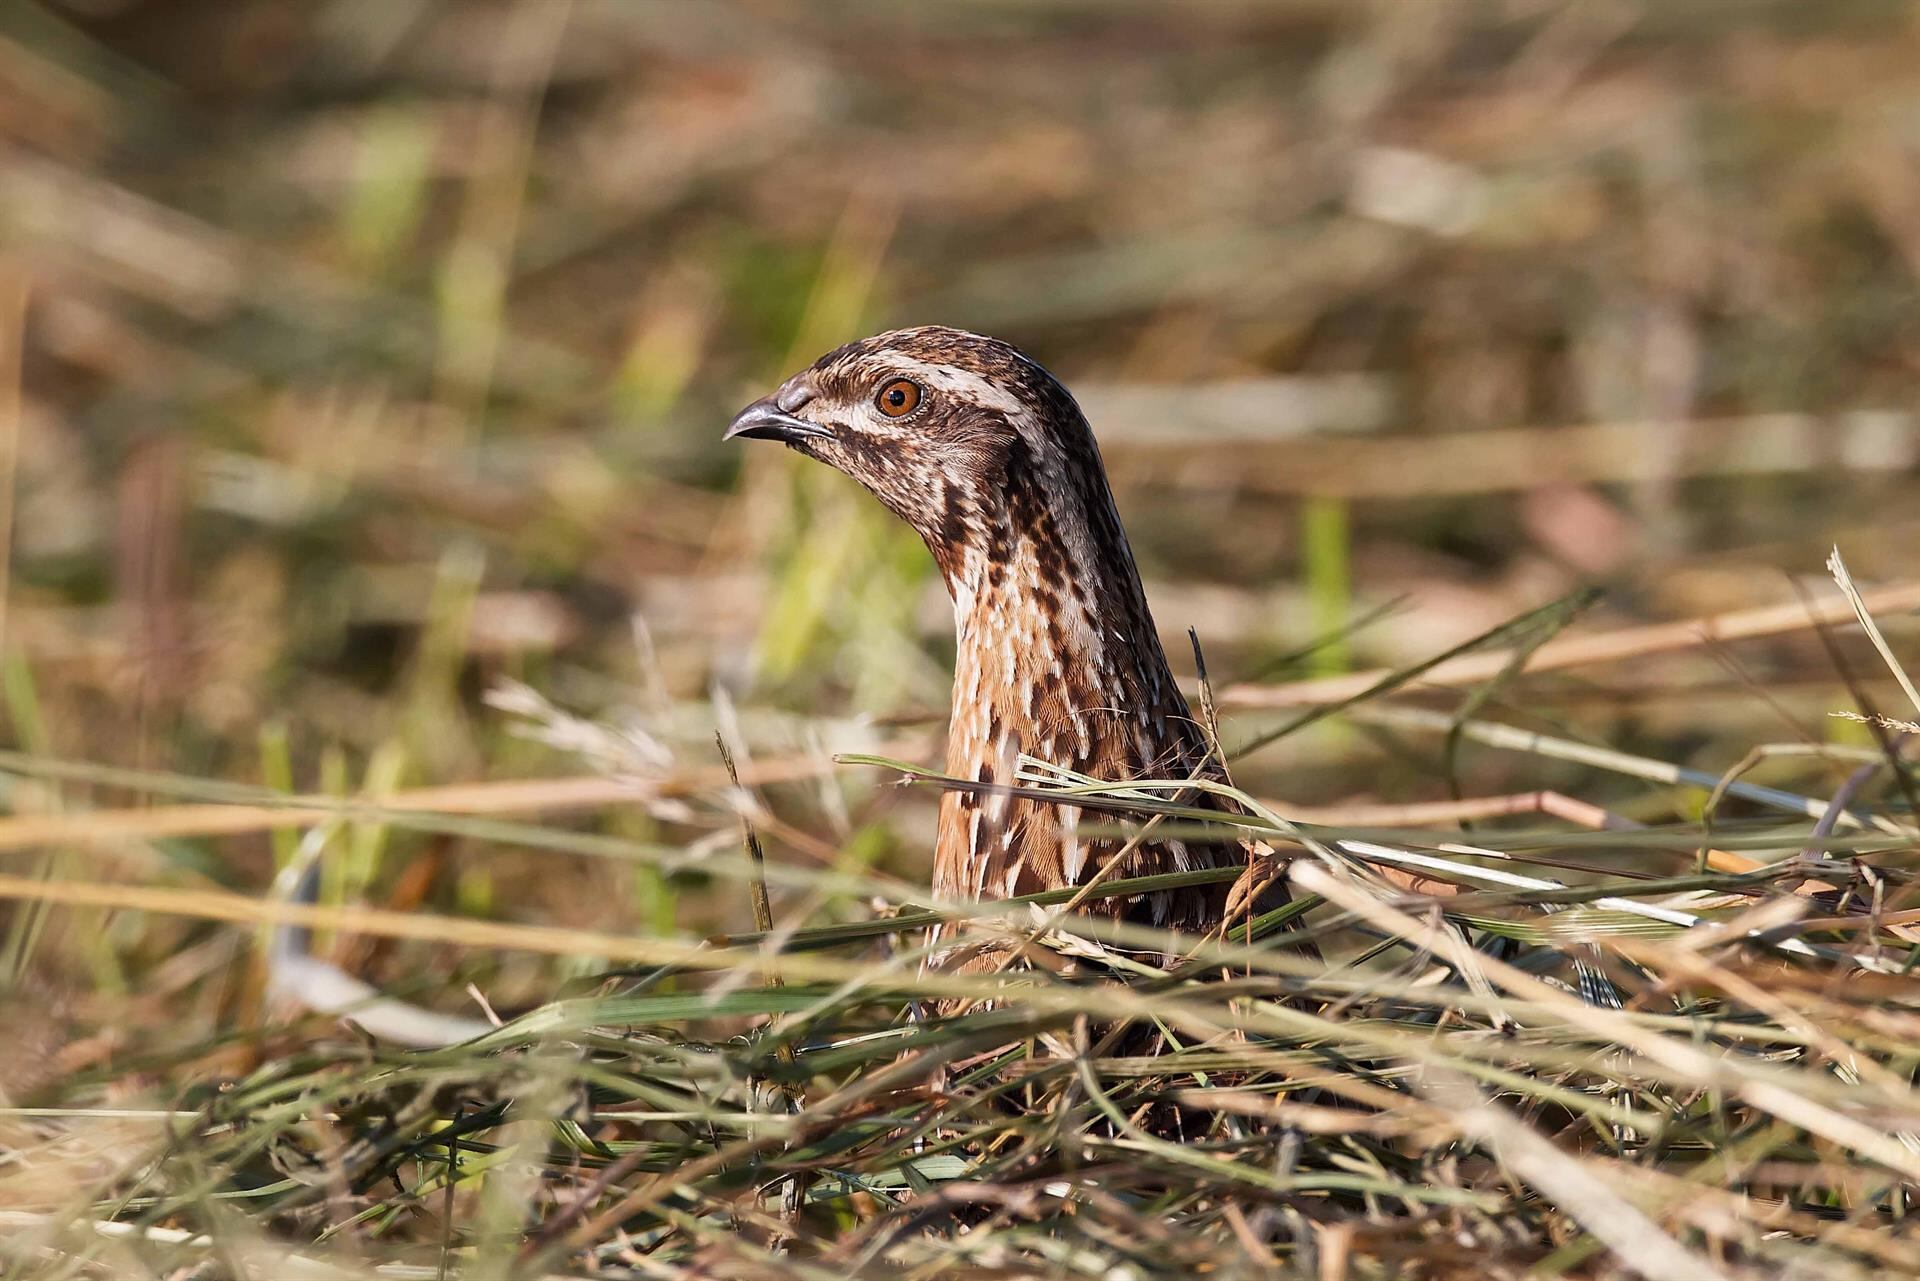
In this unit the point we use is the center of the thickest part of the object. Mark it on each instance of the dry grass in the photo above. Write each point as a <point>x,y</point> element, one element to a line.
<point>372,586</point>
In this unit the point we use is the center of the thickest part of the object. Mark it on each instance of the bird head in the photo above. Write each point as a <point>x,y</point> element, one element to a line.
<point>962,436</point>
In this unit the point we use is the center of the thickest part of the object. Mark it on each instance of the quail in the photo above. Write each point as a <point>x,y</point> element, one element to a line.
<point>987,456</point>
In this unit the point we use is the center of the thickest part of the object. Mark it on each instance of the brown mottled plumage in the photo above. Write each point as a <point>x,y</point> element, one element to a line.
<point>986,455</point>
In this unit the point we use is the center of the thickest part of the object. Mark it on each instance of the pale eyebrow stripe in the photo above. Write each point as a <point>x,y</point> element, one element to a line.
<point>947,378</point>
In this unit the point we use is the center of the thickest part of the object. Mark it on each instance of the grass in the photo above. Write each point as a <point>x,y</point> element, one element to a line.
<point>1741,1102</point>
<point>373,586</point>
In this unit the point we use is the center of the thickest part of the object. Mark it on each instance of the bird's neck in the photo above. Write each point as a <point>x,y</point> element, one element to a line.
<point>1058,660</point>
<point>1056,654</point>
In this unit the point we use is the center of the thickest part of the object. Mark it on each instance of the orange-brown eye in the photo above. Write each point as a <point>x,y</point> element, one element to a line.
<point>899,398</point>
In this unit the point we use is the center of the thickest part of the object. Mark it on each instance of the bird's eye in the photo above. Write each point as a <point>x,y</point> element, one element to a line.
<point>898,398</point>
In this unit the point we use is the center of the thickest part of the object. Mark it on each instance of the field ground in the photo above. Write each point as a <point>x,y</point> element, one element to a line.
<point>362,367</point>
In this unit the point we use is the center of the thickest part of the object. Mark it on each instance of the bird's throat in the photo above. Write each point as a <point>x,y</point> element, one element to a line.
<point>1056,660</point>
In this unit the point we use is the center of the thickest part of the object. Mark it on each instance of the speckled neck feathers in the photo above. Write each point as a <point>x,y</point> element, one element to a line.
<point>1057,658</point>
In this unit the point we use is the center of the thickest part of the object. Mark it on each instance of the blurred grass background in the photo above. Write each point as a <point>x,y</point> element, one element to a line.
<point>358,355</point>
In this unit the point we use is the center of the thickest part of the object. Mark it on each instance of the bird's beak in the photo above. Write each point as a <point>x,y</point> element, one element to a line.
<point>765,420</point>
